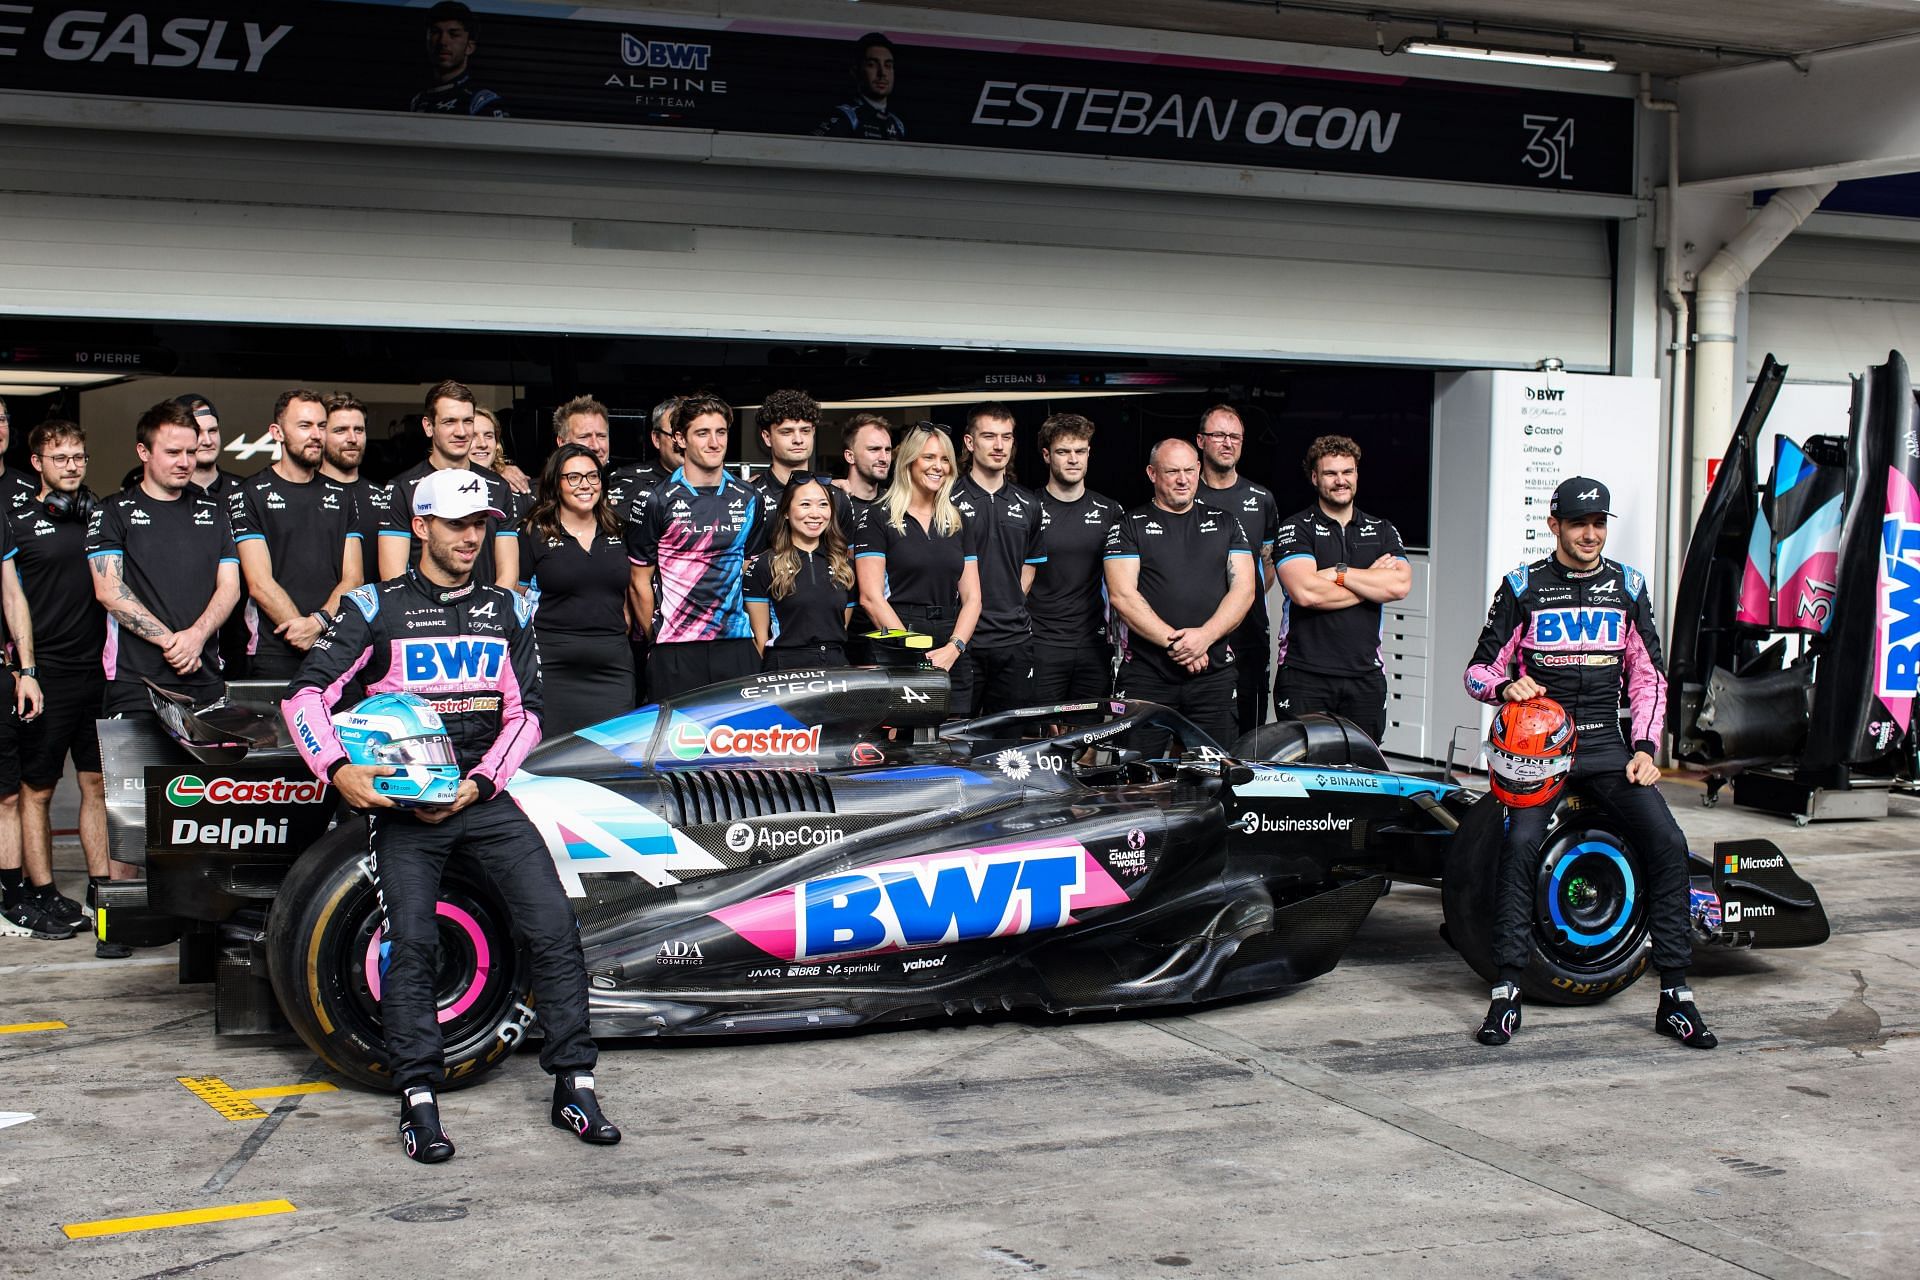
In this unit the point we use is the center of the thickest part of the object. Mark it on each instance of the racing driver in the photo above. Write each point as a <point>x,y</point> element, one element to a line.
<point>468,648</point>
<point>1577,628</point>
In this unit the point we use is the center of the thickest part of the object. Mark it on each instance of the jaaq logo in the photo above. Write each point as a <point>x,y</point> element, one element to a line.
<point>690,741</point>
<point>186,791</point>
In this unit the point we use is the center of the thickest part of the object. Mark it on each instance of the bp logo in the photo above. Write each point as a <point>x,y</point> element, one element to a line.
<point>186,791</point>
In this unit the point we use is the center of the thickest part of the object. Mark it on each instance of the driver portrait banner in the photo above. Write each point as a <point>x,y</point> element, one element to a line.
<point>743,75</point>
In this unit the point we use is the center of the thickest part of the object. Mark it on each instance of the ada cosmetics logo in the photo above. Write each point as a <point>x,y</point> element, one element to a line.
<point>678,954</point>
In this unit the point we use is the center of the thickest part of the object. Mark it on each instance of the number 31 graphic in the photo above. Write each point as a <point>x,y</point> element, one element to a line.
<point>1549,145</point>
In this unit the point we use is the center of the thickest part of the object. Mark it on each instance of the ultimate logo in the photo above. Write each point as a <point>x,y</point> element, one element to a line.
<point>186,791</point>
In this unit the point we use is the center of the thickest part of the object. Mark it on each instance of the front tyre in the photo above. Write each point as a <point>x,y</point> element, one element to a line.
<point>1587,924</point>
<point>325,956</point>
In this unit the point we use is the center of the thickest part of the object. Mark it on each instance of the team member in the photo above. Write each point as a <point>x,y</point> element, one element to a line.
<point>867,116</point>
<point>449,424</point>
<point>165,569</point>
<point>1222,438</point>
<point>1072,660</point>
<point>344,449</point>
<point>629,484</point>
<point>450,50</point>
<point>31,905</point>
<point>216,482</point>
<point>1338,565</point>
<point>396,637</point>
<point>583,421</point>
<point>16,486</point>
<point>1578,628</point>
<point>628,487</point>
<point>299,540</point>
<point>789,421</point>
<point>577,563</point>
<point>1013,546</point>
<point>487,452</point>
<point>916,558</point>
<point>1181,575</point>
<point>804,580</point>
<point>867,447</point>
<point>69,628</point>
<point>698,530</point>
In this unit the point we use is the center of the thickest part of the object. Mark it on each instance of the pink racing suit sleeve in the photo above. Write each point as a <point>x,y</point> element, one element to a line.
<point>1492,670</point>
<point>336,657</point>
<point>1646,682</point>
<point>520,706</point>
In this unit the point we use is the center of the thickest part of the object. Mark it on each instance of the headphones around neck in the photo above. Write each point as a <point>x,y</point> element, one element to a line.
<point>71,508</point>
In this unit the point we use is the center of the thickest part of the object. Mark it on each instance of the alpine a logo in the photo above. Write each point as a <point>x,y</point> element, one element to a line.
<point>186,791</point>
<point>691,741</point>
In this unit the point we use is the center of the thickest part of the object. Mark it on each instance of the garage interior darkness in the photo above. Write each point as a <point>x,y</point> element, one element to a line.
<point>94,372</point>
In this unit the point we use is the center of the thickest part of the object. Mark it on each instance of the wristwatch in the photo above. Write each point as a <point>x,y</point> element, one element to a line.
<point>33,671</point>
<point>1340,574</point>
<point>958,643</point>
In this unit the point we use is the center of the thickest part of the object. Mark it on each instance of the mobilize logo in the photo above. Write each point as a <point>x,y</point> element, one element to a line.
<point>186,791</point>
<point>691,741</point>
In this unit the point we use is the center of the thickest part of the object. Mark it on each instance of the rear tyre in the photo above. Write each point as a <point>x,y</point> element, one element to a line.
<point>325,958</point>
<point>1588,923</point>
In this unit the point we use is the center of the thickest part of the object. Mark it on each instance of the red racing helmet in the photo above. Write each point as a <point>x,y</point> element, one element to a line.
<point>1529,752</point>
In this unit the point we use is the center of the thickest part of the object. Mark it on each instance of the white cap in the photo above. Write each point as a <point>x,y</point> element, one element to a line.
<point>452,494</point>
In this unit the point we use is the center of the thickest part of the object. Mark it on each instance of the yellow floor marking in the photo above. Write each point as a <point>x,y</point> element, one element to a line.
<point>286,1090</point>
<point>185,1218</point>
<point>12,1027</point>
<point>236,1104</point>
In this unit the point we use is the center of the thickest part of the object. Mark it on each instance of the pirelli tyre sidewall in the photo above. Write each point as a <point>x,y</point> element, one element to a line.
<point>323,948</point>
<point>1589,913</point>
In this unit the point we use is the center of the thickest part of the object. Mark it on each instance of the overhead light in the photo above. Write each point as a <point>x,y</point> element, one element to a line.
<point>1573,61</point>
<point>17,380</point>
<point>24,389</point>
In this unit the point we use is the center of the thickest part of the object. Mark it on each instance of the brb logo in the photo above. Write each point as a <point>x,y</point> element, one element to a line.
<point>1578,628</point>
<point>1899,639</point>
<point>439,662</point>
<point>928,901</point>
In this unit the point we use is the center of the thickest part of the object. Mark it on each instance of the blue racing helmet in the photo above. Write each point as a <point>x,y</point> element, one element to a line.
<point>405,733</point>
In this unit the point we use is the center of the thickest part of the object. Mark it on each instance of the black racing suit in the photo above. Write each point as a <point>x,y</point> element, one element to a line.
<point>458,98</point>
<point>1584,637</point>
<point>470,652</point>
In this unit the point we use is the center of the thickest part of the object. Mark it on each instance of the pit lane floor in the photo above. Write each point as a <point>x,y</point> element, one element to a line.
<point>1350,1127</point>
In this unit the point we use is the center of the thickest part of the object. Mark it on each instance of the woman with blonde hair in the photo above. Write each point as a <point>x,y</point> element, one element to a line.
<point>804,581</point>
<point>915,556</point>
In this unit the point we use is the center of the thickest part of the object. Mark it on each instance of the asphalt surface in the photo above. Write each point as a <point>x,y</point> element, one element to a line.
<point>1349,1127</point>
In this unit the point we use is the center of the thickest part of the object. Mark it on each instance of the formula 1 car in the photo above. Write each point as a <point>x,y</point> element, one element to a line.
<point>821,849</point>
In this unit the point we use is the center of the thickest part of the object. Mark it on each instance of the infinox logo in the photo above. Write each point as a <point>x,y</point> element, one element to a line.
<point>186,791</point>
<point>690,741</point>
<point>927,901</point>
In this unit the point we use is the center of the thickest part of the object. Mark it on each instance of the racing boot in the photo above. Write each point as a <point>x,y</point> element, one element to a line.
<point>575,1108</point>
<point>420,1131</point>
<point>1503,1016</point>
<point>1680,1018</point>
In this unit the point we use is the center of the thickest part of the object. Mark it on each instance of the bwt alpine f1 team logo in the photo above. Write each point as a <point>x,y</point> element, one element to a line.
<point>928,901</point>
<point>668,55</point>
<point>186,791</point>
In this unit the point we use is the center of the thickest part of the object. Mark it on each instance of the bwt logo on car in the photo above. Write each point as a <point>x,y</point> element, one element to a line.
<point>186,791</point>
<point>943,901</point>
<point>691,741</point>
<point>673,56</point>
<point>1546,393</point>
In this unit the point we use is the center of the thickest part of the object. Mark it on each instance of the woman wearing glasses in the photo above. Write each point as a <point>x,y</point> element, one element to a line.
<point>804,581</point>
<point>915,557</point>
<point>576,559</point>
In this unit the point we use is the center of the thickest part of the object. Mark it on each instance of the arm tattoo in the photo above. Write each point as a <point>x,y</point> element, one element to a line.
<point>131,614</point>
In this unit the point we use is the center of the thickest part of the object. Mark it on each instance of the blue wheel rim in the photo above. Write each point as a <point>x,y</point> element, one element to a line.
<point>1557,894</point>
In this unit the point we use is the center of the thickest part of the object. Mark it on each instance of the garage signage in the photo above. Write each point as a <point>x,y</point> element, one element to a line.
<point>759,76</point>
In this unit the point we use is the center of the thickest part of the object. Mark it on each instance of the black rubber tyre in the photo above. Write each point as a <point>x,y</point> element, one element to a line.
<point>323,930</point>
<point>1589,917</point>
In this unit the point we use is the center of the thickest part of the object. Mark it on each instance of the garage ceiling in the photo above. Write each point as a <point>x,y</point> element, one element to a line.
<point>1664,37</point>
